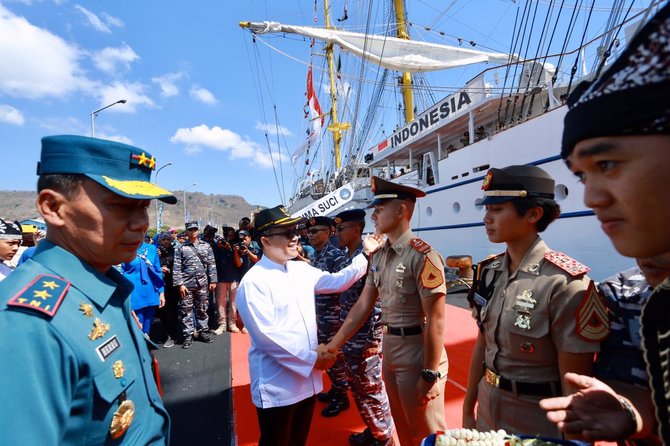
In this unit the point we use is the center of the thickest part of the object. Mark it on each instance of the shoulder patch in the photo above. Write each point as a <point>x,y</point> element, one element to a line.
<point>490,260</point>
<point>44,294</point>
<point>431,276</point>
<point>420,245</point>
<point>566,263</point>
<point>593,322</point>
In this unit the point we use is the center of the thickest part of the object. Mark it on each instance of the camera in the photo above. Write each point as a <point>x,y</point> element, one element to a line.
<point>242,245</point>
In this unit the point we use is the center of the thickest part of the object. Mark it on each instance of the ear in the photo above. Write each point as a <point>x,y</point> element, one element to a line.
<point>51,205</point>
<point>534,214</point>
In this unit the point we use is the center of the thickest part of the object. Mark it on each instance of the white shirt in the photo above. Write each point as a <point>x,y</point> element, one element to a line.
<point>276,303</point>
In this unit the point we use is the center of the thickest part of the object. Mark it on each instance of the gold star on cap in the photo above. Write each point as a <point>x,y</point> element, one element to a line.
<point>86,309</point>
<point>119,369</point>
<point>99,329</point>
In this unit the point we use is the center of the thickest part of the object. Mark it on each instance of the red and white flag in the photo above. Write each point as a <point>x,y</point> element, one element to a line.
<point>315,115</point>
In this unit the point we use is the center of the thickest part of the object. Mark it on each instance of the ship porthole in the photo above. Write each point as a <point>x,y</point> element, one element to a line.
<point>456,207</point>
<point>478,204</point>
<point>560,192</point>
<point>429,211</point>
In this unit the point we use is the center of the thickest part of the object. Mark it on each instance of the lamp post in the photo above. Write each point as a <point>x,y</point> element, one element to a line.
<point>95,113</point>
<point>187,187</point>
<point>159,204</point>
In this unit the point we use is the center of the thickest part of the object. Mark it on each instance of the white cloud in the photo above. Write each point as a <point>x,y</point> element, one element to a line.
<point>168,83</point>
<point>10,115</point>
<point>35,62</point>
<point>109,58</point>
<point>102,25</point>
<point>203,95</point>
<point>197,138</point>
<point>132,92</point>
<point>273,129</point>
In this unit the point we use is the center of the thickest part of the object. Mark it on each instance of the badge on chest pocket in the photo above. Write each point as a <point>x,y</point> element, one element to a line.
<point>400,271</point>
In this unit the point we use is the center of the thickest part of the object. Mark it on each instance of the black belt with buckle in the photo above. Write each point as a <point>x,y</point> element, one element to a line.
<point>520,387</point>
<point>402,331</point>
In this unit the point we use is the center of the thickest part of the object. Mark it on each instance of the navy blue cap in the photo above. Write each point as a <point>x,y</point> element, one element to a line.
<point>319,221</point>
<point>191,225</point>
<point>508,183</point>
<point>121,168</point>
<point>350,215</point>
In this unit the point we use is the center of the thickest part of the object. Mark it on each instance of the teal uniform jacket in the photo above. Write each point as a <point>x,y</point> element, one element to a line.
<point>74,361</point>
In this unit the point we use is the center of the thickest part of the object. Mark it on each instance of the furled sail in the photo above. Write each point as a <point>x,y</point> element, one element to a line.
<point>389,52</point>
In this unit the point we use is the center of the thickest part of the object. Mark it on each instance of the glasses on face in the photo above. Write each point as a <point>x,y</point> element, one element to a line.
<point>192,229</point>
<point>341,228</point>
<point>316,230</point>
<point>289,234</point>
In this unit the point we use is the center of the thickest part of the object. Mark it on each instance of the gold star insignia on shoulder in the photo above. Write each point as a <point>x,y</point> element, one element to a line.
<point>86,309</point>
<point>99,329</point>
<point>119,369</point>
<point>42,294</point>
<point>50,284</point>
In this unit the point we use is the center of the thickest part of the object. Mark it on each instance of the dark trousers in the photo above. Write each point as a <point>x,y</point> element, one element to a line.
<point>286,425</point>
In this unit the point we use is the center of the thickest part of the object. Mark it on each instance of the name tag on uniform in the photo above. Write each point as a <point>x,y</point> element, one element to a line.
<point>108,347</point>
<point>373,268</point>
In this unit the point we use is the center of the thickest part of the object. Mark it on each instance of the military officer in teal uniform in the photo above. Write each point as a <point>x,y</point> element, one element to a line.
<point>75,365</point>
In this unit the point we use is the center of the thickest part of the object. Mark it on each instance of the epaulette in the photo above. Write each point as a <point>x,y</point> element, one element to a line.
<point>566,263</point>
<point>44,294</point>
<point>420,245</point>
<point>490,260</point>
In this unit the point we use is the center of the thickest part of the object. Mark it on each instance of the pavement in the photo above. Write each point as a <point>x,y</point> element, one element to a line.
<point>197,391</point>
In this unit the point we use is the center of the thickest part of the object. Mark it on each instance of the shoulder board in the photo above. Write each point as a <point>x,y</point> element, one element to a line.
<point>43,295</point>
<point>566,263</point>
<point>593,322</point>
<point>420,245</point>
<point>490,260</point>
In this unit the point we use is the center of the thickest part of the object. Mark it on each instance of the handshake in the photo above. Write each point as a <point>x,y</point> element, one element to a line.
<point>325,357</point>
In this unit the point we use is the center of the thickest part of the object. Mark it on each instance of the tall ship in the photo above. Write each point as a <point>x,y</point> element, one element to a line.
<point>400,110</point>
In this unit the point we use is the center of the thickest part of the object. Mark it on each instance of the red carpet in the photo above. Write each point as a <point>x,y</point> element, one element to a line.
<point>460,336</point>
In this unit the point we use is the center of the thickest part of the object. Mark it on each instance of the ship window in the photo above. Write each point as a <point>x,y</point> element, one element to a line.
<point>561,192</point>
<point>456,207</point>
<point>455,177</point>
<point>465,174</point>
<point>429,211</point>
<point>480,168</point>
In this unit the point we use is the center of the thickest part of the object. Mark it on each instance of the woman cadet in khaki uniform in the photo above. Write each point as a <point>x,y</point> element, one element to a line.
<point>538,312</point>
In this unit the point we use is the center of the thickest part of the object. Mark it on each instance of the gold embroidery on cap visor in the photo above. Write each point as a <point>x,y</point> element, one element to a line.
<point>133,187</point>
<point>122,419</point>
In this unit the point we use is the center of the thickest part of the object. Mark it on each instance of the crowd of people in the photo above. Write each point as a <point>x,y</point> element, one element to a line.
<point>556,354</point>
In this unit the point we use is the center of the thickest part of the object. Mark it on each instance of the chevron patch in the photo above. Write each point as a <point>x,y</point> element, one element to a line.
<point>593,322</point>
<point>431,276</point>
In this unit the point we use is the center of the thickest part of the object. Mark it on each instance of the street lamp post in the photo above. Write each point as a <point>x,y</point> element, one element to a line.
<point>187,187</point>
<point>95,113</point>
<point>159,204</point>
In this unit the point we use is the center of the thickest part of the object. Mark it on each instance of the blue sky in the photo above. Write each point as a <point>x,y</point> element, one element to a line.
<point>196,93</point>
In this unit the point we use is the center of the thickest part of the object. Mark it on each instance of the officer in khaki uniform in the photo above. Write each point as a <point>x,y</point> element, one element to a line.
<point>538,312</point>
<point>75,365</point>
<point>408,276</point>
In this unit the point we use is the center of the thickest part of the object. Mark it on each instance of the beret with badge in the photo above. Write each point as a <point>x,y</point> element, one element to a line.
<point>319,221</point>
<point>350,215</point>
<point>121,168</point>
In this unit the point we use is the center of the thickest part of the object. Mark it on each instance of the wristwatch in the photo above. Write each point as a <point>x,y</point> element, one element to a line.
<point>430,375</point>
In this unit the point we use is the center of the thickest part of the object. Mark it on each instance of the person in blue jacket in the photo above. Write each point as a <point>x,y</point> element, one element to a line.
<point>76,369</point>
<point>144,271</point>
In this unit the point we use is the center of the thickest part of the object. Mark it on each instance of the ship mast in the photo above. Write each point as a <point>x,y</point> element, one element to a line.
<point>335,126</point>
<point>406,83</point>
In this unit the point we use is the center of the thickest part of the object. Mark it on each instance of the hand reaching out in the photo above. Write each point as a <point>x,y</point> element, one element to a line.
<point>373,242</point>
<point>325,357</point>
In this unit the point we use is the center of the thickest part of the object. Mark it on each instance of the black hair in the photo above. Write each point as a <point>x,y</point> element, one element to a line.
<point>66,184</point>
<point>551,210</point>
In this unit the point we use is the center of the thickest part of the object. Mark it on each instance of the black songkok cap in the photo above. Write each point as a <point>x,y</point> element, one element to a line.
<point>632,97</point>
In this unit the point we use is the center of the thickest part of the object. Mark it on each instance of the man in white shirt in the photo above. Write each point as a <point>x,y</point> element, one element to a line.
<point>276,303</point>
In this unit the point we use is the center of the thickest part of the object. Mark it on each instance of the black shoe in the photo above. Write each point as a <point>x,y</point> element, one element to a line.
<point>325,397</point>
<point>188,342</point>
<point>361,439</point>
<point>336,406</point>
<point>204,337</point>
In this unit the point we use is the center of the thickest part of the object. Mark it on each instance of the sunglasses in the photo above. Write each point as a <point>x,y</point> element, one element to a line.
<point>192,229</point>
<point>316,231</point>
<point>289,234</point>
<point>341,228</point>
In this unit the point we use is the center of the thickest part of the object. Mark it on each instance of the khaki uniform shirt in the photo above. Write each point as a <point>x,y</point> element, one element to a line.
<point>530,317</point>
<point>403,274</point>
